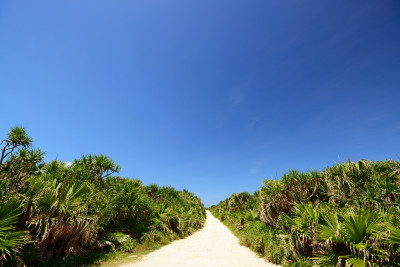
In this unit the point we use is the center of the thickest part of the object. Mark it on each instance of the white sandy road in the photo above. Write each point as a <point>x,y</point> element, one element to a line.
<point>214,245</point>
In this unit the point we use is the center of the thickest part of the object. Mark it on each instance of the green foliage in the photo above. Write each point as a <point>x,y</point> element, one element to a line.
<point>394,236</point>
<point>240,213</point>
<point>60,216</point>
<point>11,240</point>
<point>53,211</point>
<point>345,215</point>
<point>94,168</point>
<point>16,137</point>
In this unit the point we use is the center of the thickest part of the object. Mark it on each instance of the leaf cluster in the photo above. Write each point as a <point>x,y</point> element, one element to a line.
<point>344,215</point>
<point>54,210</point>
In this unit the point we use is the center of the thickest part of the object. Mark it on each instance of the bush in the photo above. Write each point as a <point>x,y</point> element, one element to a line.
<point>343,215</point>
<point>61,211</point>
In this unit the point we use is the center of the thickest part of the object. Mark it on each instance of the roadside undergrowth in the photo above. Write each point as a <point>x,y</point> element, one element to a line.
<point>345,215</point>
<point>82,212</point>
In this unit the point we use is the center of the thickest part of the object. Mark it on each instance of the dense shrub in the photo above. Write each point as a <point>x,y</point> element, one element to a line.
<point>52,210</point>
<point>345,215</point>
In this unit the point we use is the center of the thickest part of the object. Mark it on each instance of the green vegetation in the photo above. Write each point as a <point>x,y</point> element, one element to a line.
<point>51,211</point>
<point>345,215</point>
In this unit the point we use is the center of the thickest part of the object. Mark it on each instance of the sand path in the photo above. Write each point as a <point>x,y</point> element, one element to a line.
<point>214,245</point>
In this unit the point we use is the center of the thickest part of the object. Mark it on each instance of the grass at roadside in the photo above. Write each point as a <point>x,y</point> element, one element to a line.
<point>115,258</point>
<point>126,258</point>
<point>109,259</point>
<point>258,238</point>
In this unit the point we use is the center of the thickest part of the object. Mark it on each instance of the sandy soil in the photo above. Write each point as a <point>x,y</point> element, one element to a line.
<point>214,245</point>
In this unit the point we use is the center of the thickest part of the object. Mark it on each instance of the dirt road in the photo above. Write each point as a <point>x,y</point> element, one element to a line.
<point>214,245</point>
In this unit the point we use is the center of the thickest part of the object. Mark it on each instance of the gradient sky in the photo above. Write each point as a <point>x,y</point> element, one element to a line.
<point>212,96</point>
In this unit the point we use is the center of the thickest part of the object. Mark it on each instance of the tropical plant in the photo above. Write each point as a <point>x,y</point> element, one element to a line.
<point>11,240</point>
<point>344,215</point>
<point>60,217</point>
<point>53,210</point>
<point>95,168</point>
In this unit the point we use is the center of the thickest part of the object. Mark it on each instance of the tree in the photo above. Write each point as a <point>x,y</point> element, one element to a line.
<point>17,137</point>
<point>95,168</point>
<point>18,160</point>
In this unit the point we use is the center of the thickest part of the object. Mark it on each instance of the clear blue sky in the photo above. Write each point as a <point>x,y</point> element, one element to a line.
<point>212,96</point>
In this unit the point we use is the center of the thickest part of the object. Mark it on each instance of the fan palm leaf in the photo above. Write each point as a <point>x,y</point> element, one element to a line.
<point>11,240</point>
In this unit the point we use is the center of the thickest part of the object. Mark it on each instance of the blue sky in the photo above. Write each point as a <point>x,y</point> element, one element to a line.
<point>212,96</point>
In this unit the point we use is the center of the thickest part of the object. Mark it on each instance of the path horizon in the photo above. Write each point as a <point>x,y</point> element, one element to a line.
<point>214,245</point>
